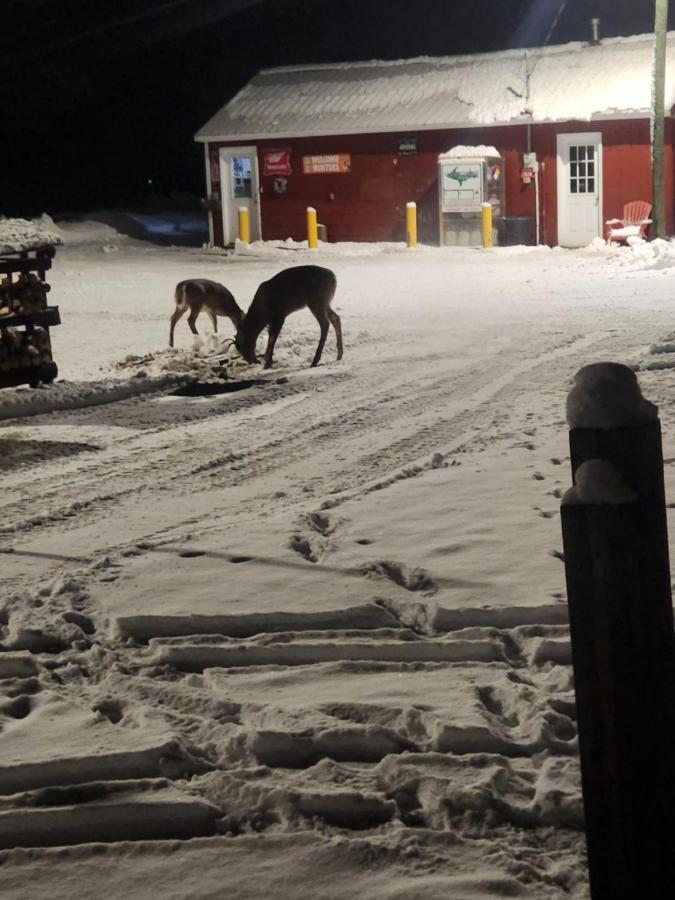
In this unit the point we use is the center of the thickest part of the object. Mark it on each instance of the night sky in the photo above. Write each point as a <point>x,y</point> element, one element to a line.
<point>97,98</point>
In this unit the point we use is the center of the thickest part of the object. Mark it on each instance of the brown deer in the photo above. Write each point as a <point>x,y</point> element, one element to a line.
<point>197,294</point>
<point>293,289</point>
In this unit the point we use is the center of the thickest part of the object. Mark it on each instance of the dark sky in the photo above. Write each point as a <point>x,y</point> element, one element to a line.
<point>98,97</point>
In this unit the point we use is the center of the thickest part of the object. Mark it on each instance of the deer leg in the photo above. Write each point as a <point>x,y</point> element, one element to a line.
<point>322,318</point>
<point>273,333</point>
<point>334,319</point>
<point>174,318</point>
<point>214,319</point>
<point>192,318</point>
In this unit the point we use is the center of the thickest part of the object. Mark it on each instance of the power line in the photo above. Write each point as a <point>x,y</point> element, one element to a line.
<point>561,9</point>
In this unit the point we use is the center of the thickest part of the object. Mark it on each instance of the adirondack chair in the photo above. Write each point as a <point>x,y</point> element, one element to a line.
<point>634,223</point>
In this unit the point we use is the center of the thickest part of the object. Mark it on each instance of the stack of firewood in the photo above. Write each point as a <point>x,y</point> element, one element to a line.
<point>24,349</point>
<point>22,294</point>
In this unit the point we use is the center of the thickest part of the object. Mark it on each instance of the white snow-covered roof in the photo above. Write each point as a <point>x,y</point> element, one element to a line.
<point>611,79</point>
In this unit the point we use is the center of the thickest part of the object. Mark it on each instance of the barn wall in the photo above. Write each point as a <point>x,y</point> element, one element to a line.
<point>369,202</point>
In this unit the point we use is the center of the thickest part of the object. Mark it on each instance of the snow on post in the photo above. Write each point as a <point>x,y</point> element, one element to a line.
<point>598,482</point>
<point>621,626</point>
<point>607,395</point>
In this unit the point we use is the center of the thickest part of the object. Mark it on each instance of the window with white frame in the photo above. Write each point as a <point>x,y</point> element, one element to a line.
<point>582,169</point>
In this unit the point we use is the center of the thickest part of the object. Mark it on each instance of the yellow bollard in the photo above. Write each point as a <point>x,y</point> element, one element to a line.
<point>411,224</point>
<point>312,230</point>
<point>244,225</point>
<point>486,224</point>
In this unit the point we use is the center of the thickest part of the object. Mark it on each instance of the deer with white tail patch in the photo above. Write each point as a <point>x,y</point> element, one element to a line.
<point>292,289</point>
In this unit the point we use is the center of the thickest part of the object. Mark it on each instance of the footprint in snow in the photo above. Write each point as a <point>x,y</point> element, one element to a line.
<point>300,545</point>
<point>18,708</point>
<point>416,579</point>
<point>321,523</point>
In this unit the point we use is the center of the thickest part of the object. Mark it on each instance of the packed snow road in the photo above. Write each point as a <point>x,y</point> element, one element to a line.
<point>325,608</point>
<point>441,350</point>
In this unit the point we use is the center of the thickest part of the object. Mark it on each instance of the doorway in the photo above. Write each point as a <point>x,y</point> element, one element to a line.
<point>239,186</point>
<point>579,188</point>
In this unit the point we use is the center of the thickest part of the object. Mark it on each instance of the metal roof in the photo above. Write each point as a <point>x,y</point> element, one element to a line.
<point>611,79</point>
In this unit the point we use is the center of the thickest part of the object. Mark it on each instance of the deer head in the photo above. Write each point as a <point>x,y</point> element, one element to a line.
<point>245,341</point>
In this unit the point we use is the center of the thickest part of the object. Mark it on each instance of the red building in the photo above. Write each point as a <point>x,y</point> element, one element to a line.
<point>358,141</point>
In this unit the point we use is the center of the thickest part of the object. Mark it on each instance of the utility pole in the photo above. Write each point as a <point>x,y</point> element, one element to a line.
<point>657,118</point>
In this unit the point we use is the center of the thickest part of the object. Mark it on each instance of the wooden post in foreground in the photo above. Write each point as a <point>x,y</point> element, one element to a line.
<point>658,120</point>
<point>621,625</point>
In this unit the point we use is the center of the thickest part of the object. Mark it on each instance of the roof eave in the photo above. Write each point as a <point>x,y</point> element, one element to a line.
<point>336,132</point>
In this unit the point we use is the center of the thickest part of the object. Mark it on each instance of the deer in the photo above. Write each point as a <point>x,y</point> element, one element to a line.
<point>197,294</point>
<point>290,290</point>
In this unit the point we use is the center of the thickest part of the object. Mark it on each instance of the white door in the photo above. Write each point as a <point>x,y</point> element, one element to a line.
<point>239,187</point>
<point>579,188</point>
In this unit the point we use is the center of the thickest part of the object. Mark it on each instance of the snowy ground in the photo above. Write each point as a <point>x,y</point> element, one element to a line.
<point>317,625</point>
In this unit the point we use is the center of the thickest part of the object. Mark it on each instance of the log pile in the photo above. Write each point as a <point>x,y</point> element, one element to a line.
<point>25,318</point>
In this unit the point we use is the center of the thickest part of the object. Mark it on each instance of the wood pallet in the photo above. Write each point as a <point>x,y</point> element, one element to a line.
<point>25,318</point>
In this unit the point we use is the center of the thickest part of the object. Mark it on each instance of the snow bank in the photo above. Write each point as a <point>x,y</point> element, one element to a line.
<point>656,254</point>
<point>79,394</point>
<point>24,234</point>
<point>607,395</point>
<point>87,231</point>
<point>280,249</point>
<point>637,254</point>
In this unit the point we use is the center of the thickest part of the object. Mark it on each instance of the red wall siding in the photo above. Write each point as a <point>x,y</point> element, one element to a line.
<point>368,203</point>
<point>626,168</point>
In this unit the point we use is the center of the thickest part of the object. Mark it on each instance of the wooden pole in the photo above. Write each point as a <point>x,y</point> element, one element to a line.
<point>623,653</point>
<point>658,118</point>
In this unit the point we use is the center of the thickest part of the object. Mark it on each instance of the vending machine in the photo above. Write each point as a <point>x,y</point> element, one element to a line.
<point>467,178</point>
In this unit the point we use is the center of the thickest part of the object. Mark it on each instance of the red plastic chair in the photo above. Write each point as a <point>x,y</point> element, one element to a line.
<point>634,223</point>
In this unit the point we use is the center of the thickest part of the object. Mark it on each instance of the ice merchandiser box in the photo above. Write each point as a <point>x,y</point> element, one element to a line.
<point>467,178</point>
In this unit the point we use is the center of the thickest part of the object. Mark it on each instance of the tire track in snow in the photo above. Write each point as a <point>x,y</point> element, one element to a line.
<point>364,410</point>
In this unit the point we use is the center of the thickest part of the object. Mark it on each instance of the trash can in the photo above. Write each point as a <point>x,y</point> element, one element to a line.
<point>516,230</point>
